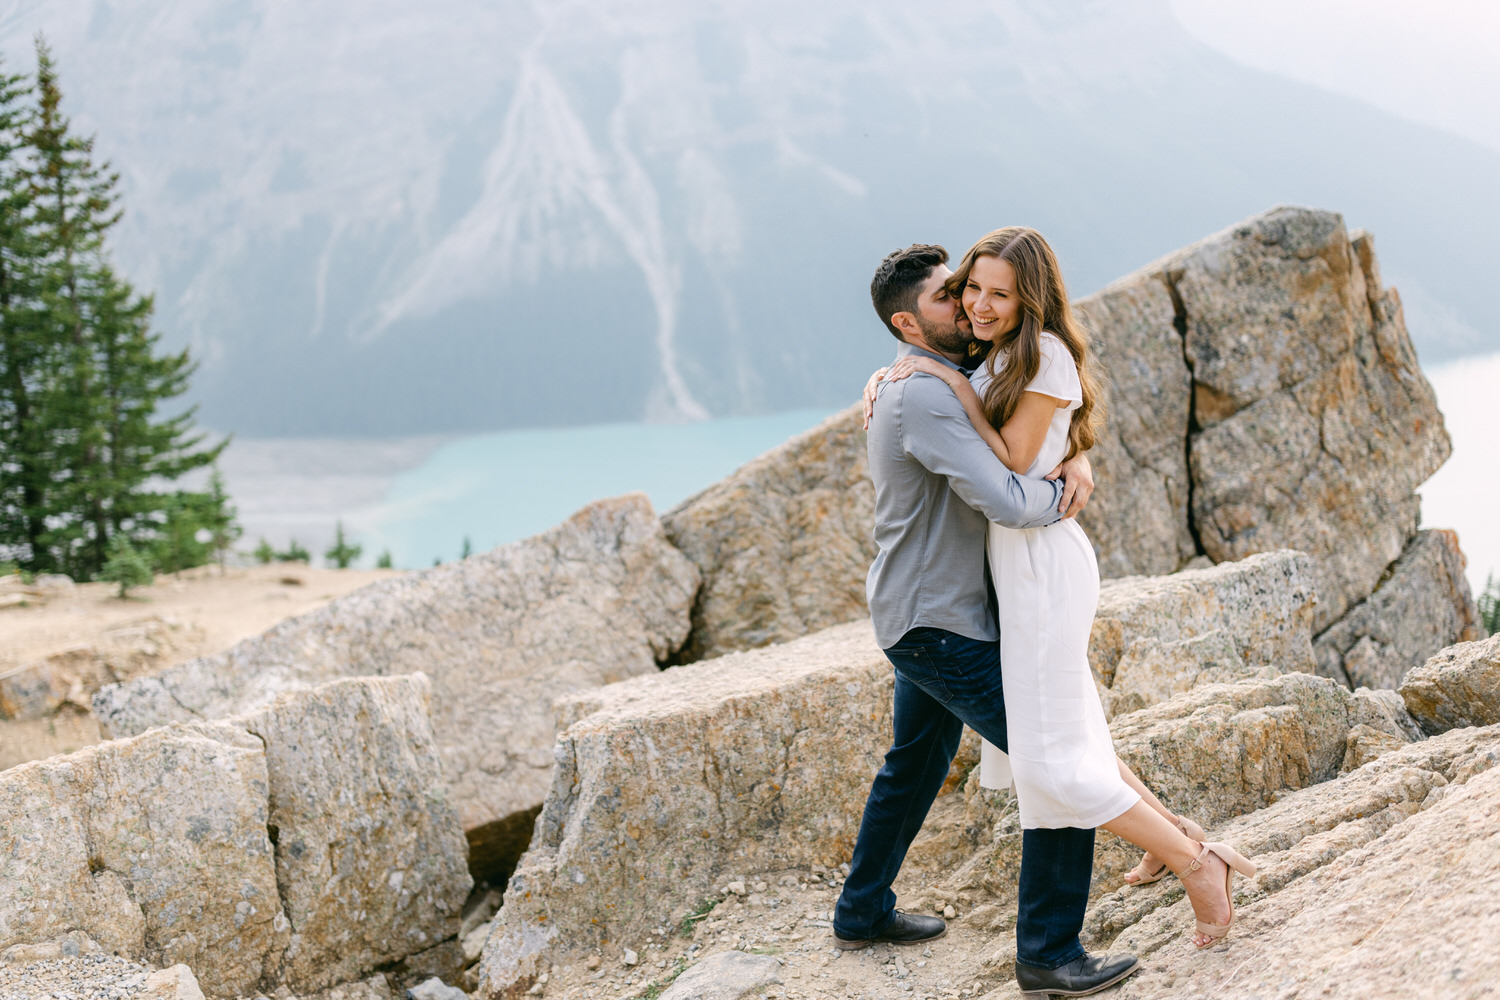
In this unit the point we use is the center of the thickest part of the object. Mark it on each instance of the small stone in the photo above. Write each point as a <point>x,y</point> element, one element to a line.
<point>435,989</point>
<point>631,958</point>
<point>737,887</point>
<point>594,962</point>
<point>761,887</point>
<point>949,912</point>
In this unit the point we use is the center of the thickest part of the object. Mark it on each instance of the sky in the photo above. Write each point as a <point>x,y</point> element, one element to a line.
<point>1433,61</point>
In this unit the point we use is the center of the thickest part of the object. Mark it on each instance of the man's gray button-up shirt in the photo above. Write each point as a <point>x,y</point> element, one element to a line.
<point>937,487</point>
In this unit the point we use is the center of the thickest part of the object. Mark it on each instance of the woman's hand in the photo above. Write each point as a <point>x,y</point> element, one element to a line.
<point>913,363</point>
<point>871,388</point>
<point>908,365</point>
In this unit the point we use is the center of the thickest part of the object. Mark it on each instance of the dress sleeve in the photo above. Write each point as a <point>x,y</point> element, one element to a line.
<point>1058,374</point>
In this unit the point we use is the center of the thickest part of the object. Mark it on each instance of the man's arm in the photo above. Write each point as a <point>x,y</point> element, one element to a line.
<point>936,432</point>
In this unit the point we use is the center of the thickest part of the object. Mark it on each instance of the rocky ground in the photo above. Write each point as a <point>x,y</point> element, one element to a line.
<point>785,914</point>
<point>60,641</point>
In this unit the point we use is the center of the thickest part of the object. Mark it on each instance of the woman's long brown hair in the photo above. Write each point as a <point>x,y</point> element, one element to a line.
<point>1016,355</point>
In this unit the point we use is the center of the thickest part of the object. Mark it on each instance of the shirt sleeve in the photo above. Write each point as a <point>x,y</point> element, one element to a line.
<point>937,433</point>
<point>1057,375</point>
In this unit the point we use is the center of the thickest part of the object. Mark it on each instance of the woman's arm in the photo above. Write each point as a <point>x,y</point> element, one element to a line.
<point>1020,440</point>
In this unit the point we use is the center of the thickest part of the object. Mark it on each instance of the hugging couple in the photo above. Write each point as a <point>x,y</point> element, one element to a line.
<point>983,594</point>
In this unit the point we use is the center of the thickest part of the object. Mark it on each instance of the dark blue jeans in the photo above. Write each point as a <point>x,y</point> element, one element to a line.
<point>944,680</point>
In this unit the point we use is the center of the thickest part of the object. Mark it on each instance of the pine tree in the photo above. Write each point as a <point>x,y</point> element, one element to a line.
<point>126,566</point>
<point>25,357</point>
<point>222,518</point>
<point>342,553</point>
<point>72,208</point>
<point>85,378</point>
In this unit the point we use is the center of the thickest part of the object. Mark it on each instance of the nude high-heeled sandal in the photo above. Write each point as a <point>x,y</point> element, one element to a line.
<point>1142,877</point>
<point>1235,862</point>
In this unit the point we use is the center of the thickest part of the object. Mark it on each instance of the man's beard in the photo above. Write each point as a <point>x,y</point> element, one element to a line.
<point>947,338</point>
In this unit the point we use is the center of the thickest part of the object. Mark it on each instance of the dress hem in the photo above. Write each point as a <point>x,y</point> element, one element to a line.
<point>1091,821</point>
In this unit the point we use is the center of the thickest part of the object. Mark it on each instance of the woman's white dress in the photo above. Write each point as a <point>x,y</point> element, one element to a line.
<point>1061,760</point>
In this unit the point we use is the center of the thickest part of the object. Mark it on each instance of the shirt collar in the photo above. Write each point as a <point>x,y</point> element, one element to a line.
<point>911,349</point>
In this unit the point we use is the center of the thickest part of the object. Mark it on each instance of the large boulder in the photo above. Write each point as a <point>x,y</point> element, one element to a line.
<point>155,847</point>
<point>1460,686</point>
<point>1156,636</point>
<point>1314,422</point>
<point>299,845</point>
<point>668,785</point>
<point>1423,605</point>
<point>1138,516</point>
<point>601,597</point>
<point>1223,750</point>
<point>783,544</point>
<point>370,858</point>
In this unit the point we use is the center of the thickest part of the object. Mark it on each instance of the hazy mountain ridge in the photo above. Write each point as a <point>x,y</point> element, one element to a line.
<point>378,220</point>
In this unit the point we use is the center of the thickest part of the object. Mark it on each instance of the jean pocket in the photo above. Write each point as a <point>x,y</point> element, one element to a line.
<point>924,669</point>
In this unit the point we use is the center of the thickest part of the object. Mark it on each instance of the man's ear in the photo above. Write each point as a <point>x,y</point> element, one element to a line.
<point>906,323</point>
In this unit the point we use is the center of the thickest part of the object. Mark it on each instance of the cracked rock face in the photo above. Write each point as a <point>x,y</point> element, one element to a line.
<point>784,543</point>
<point>1228,749</point>
<point>296,845</point>
<point>1458,687</point>
<point>667,786</point>
<point>1156,636</point>
<point>370,859</point>
<point>1421,607</point>
<point>1315,424</point>
<point>1138,517</point>
<point>1380,883</point>
<point>155,847</point>
<point>601,597</point>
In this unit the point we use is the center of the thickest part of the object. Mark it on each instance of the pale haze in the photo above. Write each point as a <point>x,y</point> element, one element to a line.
<point>1433,62</point>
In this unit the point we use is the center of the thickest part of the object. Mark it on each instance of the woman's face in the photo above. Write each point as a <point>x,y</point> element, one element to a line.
<point>990,298</point>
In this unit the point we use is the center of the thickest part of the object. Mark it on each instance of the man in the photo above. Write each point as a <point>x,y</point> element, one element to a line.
<point>937,487</point>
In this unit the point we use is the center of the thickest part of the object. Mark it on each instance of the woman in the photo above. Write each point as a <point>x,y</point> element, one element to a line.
<point>1035,403</point>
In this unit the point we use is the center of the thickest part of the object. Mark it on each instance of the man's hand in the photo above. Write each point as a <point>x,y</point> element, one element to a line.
<point>1078,483</point>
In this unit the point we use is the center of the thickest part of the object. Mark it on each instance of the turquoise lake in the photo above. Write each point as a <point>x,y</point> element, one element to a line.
<point>497,488</point>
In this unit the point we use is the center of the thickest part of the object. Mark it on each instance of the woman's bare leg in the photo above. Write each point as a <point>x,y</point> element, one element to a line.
<point>1150,864</point>
<point>1144,792</point>
<point>1146,827</point>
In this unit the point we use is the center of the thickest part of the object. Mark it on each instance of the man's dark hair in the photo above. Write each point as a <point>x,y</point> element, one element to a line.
<point>900,277</point>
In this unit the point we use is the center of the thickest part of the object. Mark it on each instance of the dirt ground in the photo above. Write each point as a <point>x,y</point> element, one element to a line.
<point>786,914</point>
<point>87,633</point>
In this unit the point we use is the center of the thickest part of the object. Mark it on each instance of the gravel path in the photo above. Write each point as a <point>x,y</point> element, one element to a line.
<point>82,977</point>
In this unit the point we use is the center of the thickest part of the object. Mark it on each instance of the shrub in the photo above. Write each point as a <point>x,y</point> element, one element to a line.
<point>1489,605</point>
<point>264,553</point>
<point>294,553</point>
<point>342,553</point>
<point>383,561</point>
<point>126,566</point>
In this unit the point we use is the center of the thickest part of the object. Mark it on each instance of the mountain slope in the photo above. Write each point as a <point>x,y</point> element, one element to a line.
<point>374,219</point>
